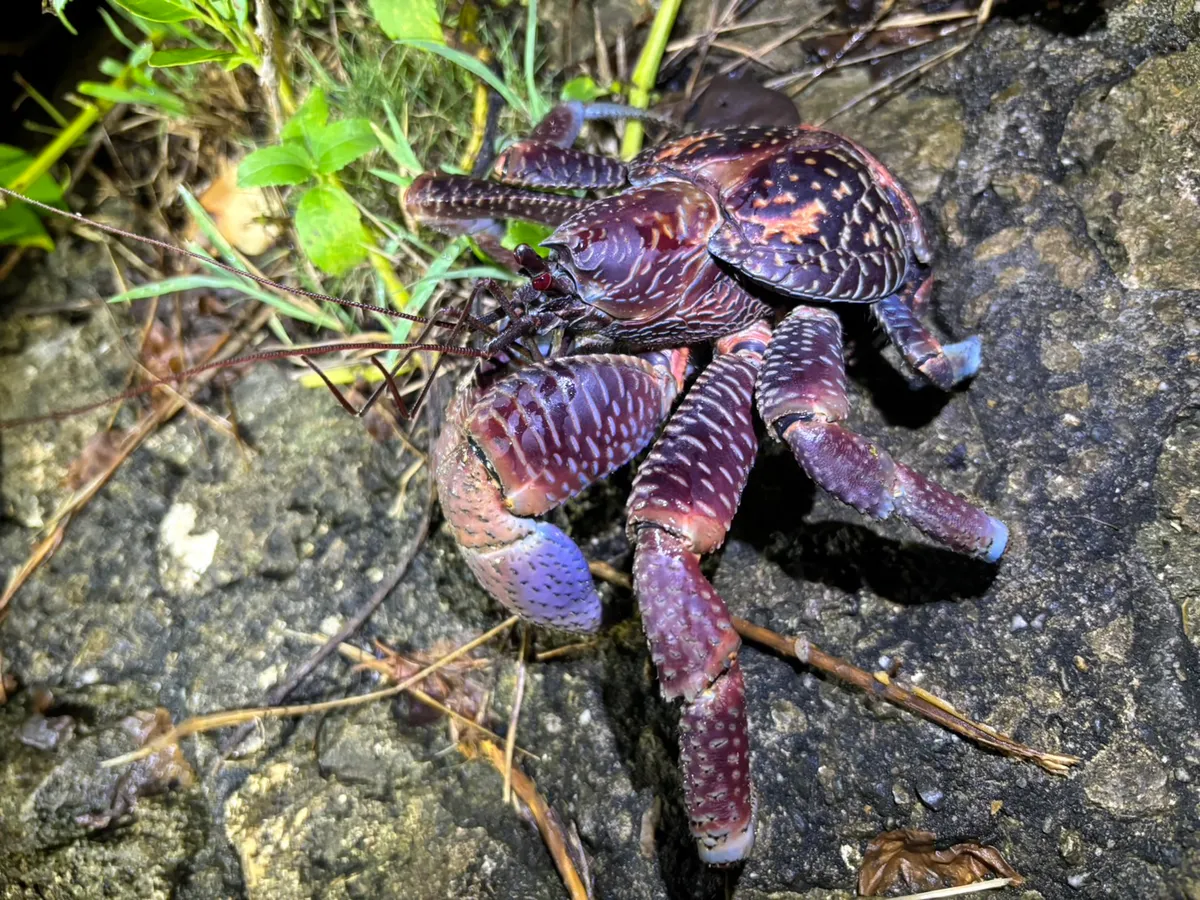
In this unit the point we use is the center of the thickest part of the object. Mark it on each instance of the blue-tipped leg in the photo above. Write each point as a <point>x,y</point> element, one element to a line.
<point>964,357</point>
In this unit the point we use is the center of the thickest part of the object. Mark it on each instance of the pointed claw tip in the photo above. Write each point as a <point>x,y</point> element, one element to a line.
<point>965,357</point>
<point>728,850</point>
<point>998,544</point>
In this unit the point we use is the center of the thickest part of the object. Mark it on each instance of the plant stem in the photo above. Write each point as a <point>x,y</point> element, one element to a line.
<point>66,138</point>
<point>645,74</point>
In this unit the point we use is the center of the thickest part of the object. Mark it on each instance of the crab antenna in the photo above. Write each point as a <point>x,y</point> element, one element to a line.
<point>209,261</point>
<point>265,356</point>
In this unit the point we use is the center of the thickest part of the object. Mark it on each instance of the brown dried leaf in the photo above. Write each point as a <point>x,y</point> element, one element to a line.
<point>450,685</point>
<point>907,861</point>
<point>162,353</point>
<point>152,774</point>
<point>97,455</point>
<point>239,213</point>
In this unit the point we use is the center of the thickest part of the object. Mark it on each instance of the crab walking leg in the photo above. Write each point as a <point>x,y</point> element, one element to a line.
<point>802,396</point>
<point>546,158</point>
<point>943,364</point>
<point>683,500</point>
<point>539,164</point>
<point>440,200</point>
<point>526,443</point>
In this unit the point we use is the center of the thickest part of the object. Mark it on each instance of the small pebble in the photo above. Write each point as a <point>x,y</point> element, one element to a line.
<point>1039,622</point>
<point>931,796</point>
<point>1018,623</point>
<point>1182,776</point>
<point>1076,881</point>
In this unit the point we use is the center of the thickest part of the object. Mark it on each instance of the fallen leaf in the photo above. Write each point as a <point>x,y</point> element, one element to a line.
<point>97,455</point>
<point>907,861</point>
<point>239,213</point>
<point>152,774</point>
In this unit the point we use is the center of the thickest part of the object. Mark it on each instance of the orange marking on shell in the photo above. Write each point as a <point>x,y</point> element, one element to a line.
<point>805,220</point>
<point>842,190</point>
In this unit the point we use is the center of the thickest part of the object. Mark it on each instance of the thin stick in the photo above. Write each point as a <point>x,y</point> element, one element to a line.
<point>198,724</point>
<point>916,701</point>
<point>515,717</point>
<point>977,887</point>
<point>611,574</point>
<point>550,831</point>
<point>564,650</point>
<point>213,721</point>
<point>64,515</point>
<point>209,261</point>
<point>884,8</point>
<point>283,691</point>
<point>898,79</point>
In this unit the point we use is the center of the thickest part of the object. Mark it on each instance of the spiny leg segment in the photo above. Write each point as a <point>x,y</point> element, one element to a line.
<point>683,500</point>
<point>943,364</point>
<point>802,396</point>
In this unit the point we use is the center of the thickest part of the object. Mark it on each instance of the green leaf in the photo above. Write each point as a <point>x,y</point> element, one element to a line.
<point>517,232</point>
<point>583,89</point>
<point>274,166</point>
<point>426,285</point>
<point>238,282</point>
<point>57,7</point>
<point>401,181</point>
<point>330,230</point>
<point>162,99</point>
<point>189,56</point>
<point>20,226</point>
<point>476,68</point>
<point>342,143</point>
<point>538,107</point>
<point>164,11</point>
<point>409,19</point>
<point>13,162</point>
<point>308,120</point>
<point>396,144</point>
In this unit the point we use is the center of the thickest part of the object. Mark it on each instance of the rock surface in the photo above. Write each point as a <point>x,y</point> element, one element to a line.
<point>1082,432</point>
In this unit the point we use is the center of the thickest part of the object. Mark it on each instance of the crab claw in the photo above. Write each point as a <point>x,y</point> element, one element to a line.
<point>529,566</point>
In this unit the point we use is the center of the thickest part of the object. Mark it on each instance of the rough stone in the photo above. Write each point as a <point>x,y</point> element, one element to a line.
<point>1136,156</point>
<point>1127,779</point>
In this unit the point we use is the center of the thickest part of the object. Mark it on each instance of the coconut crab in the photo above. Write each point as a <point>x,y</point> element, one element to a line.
<point>741,239</point>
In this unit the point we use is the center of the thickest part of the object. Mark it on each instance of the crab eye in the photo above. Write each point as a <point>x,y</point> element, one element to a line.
<point>542,281</point>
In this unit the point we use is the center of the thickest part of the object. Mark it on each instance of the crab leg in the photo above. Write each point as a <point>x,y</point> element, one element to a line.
<point>546,159</point>
<point>683,500</point>
<point>802,396</point>
<point>525,444</point>
<point>943,364</point>
<point>444,199</point>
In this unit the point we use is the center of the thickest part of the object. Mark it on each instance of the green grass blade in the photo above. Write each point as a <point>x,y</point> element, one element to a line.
<point>476,68</point>
<point>537,104</point>
<point>177,284</point>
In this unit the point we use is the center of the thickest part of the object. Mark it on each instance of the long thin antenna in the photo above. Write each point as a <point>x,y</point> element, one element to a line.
<point>209,261</point>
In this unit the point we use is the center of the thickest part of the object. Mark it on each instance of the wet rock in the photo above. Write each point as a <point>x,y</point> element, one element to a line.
<point>1138,162</point>
<point>1127,779</point>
